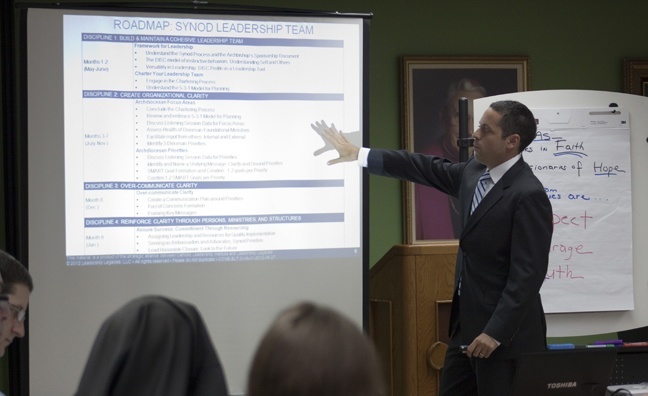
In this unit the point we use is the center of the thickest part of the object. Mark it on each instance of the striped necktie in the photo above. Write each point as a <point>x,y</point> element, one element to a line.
<point>480,191</point>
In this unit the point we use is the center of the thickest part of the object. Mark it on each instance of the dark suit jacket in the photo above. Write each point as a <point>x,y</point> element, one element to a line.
<point>503,248</point>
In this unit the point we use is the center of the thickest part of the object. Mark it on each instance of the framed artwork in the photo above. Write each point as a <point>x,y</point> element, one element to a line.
<point>431,87</point>
<point>635,76</point>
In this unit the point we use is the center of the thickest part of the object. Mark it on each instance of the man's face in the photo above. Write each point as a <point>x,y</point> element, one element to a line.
<point>11,326</point>
<point>490,149</point>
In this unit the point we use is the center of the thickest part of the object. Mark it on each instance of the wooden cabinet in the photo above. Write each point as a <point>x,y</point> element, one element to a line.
<point>410,290</point>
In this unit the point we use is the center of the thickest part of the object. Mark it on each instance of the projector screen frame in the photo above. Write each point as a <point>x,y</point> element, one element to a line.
<point>15,146</point>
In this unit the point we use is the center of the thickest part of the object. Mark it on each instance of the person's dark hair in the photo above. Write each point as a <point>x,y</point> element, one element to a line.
<point>13,273</point>
<point>516,118</point>
<point>311,350</point>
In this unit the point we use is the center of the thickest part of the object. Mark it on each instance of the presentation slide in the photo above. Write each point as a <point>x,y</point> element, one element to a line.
<point>182,140</point>
<point>174,154</point>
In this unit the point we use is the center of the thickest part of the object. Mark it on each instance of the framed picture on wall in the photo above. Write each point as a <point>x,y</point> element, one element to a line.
<point>431,87</point>
<point>635,76</point>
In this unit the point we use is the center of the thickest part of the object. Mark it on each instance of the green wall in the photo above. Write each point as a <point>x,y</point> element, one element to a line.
<point>572,45</point>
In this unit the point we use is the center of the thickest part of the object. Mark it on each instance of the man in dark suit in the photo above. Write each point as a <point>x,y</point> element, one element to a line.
<point>503,247</point>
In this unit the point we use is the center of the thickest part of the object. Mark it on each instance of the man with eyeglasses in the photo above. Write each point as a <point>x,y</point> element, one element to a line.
<point>16,284</point>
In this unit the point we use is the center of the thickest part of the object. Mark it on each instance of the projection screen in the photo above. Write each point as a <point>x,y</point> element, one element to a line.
<point>173,153</point>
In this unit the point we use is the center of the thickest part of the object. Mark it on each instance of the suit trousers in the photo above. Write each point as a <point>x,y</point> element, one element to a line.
<point>467,376</point>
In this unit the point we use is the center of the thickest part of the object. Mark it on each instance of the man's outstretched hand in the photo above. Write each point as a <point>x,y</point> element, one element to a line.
<point>320,127</point>
<point>334,139</point>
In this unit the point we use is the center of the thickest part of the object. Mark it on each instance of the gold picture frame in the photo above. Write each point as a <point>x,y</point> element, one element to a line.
<point>429,85</point>
<point>635,76</point>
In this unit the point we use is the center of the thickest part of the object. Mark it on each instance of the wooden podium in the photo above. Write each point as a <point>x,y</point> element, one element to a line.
<point>410,290</point>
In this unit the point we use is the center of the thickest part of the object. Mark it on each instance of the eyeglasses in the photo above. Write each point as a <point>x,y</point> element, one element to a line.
<point>4,304</point>
<point>18,312</point>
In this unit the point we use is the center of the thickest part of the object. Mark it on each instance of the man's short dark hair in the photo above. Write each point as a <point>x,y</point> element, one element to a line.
<point>13,273</point>
<point>516,118</point>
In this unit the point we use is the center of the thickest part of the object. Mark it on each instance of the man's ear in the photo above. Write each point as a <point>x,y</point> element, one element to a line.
<point>513,141</point>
